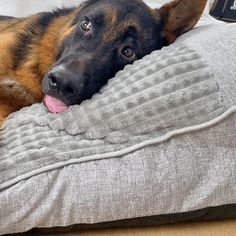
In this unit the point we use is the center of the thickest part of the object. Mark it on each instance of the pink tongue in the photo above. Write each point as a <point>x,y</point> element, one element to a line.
<point>54,105</point>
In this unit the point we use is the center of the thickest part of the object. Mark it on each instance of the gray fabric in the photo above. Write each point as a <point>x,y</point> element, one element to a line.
<point>216,44</point>
<point>189,172</point>
<point>194,85</point>
<point>166,91</point>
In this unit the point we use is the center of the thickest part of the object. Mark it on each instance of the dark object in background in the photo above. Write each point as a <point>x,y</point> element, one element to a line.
<point>224,10</point>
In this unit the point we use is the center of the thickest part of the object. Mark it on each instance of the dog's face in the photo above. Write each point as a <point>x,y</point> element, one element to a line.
<point>106,35</point>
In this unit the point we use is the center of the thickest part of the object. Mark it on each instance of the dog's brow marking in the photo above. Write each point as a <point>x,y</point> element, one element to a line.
<point>111,16</point>
<point>114,31</point>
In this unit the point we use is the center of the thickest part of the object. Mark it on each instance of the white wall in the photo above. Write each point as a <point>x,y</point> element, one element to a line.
<point>27,7</point>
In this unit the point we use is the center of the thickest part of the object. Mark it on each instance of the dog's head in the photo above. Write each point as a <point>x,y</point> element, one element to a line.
<point>106,35</point>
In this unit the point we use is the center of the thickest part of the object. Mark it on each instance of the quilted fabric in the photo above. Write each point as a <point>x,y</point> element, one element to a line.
<point>166,91</point>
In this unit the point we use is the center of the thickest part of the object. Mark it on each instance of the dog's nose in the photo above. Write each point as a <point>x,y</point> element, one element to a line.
<point>61,82</point>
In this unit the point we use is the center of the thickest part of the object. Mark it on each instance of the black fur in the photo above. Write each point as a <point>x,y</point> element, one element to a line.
<point>34,30</point>
<point>23,46</point>
<point>89,60</point>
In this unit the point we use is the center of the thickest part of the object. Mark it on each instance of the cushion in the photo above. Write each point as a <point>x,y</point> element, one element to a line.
<point>157,141</point>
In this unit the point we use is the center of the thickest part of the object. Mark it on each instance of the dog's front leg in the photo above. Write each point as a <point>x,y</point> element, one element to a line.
<point>1,121</point>
<point>5,110</point>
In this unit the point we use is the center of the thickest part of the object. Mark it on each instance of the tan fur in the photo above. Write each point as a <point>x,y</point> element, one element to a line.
<point>111,16</point>
<point>5,110</point>
<point>110,35</point>
<point>22,87</point>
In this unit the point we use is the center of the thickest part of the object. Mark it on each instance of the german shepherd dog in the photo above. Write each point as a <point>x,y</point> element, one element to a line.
<point>69,54</point>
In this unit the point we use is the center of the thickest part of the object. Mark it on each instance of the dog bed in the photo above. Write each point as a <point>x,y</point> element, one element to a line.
<point>156,145</point>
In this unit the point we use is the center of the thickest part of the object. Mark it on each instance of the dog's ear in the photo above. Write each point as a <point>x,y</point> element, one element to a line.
<point>179,16</point>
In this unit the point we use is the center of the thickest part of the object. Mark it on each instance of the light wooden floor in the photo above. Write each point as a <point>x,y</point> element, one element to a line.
<point>221,228</point>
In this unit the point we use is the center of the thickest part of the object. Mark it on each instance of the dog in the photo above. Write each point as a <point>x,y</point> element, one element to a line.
<point>69,54</point>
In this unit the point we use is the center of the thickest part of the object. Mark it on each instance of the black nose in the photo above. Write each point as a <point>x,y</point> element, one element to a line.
<point>61,82</point>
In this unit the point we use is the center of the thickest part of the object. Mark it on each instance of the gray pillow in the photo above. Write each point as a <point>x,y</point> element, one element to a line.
<point>158,140</point>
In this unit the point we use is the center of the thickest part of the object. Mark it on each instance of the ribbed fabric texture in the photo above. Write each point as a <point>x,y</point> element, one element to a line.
<point>166,91</point>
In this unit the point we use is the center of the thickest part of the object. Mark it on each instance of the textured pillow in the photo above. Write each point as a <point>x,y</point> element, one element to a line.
<point>159,140</point>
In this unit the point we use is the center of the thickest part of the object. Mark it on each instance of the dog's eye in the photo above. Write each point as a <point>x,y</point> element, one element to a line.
<point>128,52</point>
<point>86,25</point>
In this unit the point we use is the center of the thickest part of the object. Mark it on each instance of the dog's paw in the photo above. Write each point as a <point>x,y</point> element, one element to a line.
<point>1,120</point>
